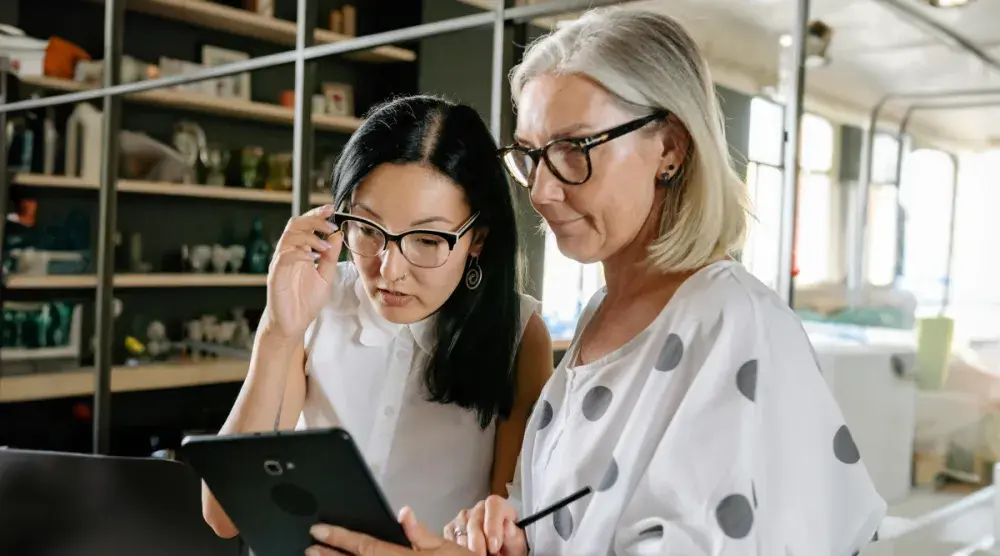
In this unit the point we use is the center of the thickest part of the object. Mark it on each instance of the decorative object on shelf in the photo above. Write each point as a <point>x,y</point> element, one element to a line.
<point>279,172</point>
<point>189,140</point>
<point>36,332</point>
<point>158,346</point>
<point>234,86</point>
<point>319,104</point>
<point>350,20</point>
<point>339,99</point>
<point>194,334</point>
<point>242,336</point>
<point>20,144</point>
<point>220,258</point>
<point>216,162</point>
<point>135,261</point>
<point>91,72</point>
<point>83,142</point>
<point>171,67</point>
<point>337,21</point>
<point>344,20</point>
<point>236,255</point>
<point>258,249</point>
<point>145,158</point>
<point>199,257</point>
<point>251,159</point>
<point>260,7</point>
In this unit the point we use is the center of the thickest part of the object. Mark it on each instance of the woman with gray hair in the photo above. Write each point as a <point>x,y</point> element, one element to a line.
<point>690,399</point>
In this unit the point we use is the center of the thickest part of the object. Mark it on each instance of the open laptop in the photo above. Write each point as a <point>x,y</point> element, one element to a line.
<point>59,504</point>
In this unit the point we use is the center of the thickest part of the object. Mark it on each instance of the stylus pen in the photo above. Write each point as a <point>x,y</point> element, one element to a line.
<point>554,507</point>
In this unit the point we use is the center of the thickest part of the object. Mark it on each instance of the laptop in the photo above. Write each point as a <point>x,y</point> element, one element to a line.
<point>61,504</point>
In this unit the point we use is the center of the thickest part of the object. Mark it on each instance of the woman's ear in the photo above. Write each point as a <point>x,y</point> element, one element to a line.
<point>478,240</point>
<point>676,146</point>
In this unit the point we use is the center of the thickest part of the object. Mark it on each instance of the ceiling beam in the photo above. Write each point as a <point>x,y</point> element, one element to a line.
<point>941,32</point>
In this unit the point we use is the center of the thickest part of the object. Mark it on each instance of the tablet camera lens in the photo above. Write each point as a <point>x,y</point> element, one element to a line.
<point>272,468</point>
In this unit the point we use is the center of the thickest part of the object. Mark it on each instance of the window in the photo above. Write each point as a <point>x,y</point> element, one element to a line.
<point>925,194</point>
<point>815,195</point>
<point>975,297</point>
<point>760,253</point>
<point>567,286</point>
<point>883,212</point>
<point>764,184</point>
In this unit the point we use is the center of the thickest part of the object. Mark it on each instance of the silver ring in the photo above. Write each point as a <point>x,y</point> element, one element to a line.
<point>459,531</point>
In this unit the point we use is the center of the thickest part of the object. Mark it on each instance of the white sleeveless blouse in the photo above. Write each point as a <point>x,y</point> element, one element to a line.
<point>365,374</point>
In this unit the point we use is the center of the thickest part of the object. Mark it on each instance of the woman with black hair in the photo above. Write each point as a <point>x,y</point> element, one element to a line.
<point>421,345</point>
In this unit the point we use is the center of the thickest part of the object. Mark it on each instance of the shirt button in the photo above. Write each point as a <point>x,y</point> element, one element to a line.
<point>375,470</point>
<point>389,411</point>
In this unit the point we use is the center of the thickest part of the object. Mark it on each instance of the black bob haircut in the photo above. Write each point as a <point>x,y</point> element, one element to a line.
<point>477,331</point>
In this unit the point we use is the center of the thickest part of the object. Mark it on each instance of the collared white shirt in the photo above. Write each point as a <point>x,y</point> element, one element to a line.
<point>365,374</point>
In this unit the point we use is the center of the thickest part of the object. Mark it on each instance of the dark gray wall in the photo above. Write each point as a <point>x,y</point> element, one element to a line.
<point>8,12</point>
<point>459,66</point>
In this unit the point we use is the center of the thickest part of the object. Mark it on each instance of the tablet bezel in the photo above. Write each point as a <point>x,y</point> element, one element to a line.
<point>226,461</point>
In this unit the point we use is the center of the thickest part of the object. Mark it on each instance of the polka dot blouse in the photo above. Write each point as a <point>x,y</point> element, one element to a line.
<point>712,432</point>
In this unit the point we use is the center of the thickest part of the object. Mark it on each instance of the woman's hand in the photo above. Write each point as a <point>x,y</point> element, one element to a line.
<point>297,287</point>
<point>357,544</point>
<point>489,528</point>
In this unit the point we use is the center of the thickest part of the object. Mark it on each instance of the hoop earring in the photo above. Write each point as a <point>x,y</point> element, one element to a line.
<point>473,276</point>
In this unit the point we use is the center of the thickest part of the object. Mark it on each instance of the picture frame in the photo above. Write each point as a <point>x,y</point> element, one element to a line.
<point>339,99</point>
<point>234,86</point>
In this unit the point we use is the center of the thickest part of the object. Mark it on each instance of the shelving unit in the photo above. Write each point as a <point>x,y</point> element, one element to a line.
<point>22,388</point>
<point>136,280</point>
<point>246,23</point>
<point>168,189</point>
<point>193,102</point>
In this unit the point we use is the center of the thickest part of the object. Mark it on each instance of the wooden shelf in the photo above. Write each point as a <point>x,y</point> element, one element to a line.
<point>181,100</point>
<point>127,280</point>
<point>169,189</point>
<point>54,181</point>
<point>159,376</point>
<point>246,23</point>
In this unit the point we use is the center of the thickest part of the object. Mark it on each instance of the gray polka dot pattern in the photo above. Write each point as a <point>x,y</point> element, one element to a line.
<point>563,522</point>
<point>654,531</point>
<point>735,516</point>
<point>596,402</point>
<point>546,416</point>
<point>844,447</point>
<point>610,476</point>
<point>746,379</point>
<point>670,354</point>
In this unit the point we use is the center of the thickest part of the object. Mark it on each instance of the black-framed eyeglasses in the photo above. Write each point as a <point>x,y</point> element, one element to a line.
<point>568,159</point>
<point>421,247</point>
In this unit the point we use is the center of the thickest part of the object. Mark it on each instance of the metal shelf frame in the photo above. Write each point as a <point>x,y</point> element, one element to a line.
<point>304,57</point>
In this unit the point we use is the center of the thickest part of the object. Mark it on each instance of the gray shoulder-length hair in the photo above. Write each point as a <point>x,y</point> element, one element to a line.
<point>647,61</point>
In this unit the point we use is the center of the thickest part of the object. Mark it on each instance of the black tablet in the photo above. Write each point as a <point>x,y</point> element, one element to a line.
<point>274,486</point>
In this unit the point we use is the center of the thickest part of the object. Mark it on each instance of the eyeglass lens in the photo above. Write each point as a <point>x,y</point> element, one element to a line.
<point>424,250</point>
<point>567,160</point>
